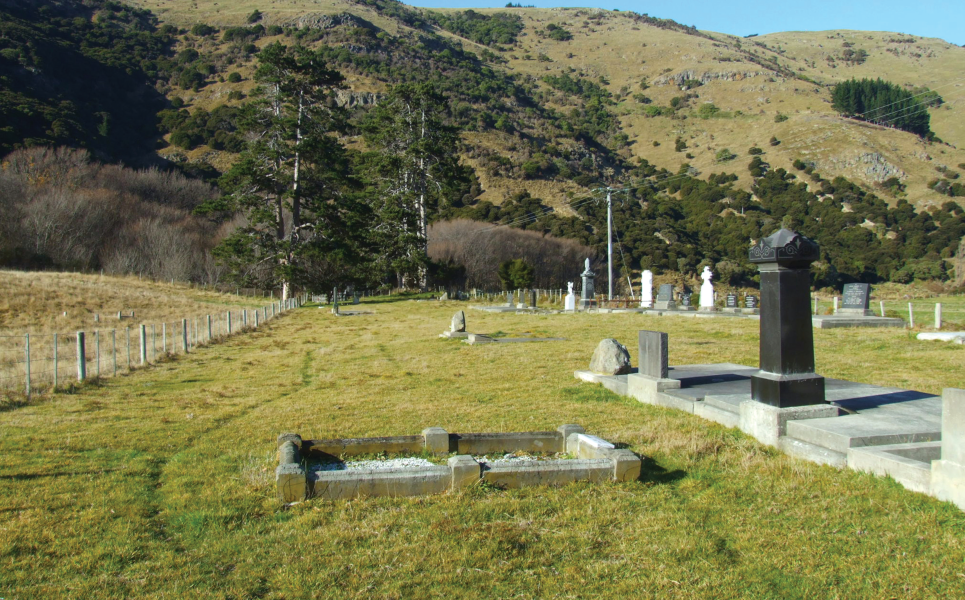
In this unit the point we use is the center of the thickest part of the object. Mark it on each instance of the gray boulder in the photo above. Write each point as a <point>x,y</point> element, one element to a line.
<point>610,358</point>
<point>458,322</point>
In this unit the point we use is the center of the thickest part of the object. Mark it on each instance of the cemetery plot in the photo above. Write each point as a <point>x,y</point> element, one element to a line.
<point>319,469</point>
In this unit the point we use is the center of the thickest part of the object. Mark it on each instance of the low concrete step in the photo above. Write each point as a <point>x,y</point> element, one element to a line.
<point>850,431</point>
<point>811,452</point>
<point>725,417</point>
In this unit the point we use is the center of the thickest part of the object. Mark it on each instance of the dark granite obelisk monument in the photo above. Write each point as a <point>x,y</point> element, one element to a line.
<point>786,377</point>
<point>588,294</point>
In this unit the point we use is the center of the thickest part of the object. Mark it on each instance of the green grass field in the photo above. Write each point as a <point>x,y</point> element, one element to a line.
<point>160,483</point>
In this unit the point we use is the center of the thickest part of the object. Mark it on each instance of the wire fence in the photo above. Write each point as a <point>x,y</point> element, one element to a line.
<point>37,363</point>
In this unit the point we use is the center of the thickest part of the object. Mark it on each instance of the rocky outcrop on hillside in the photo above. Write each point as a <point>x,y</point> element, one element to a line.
<point>323,21</point>
<point>870,165</point>
<point>350,99</point>
<point>690,75</point>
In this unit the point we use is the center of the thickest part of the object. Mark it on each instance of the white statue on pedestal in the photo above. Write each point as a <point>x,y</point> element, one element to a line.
<point>569,303</point>
<point>706,289</point>
<point>646,289</point>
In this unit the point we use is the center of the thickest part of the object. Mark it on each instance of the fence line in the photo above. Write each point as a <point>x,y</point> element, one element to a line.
<point>31,363</point>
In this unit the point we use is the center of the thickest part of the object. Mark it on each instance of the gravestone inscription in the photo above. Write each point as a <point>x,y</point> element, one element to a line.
<point>750,301</point>
<point>732,301</point>
<point>855,300</point>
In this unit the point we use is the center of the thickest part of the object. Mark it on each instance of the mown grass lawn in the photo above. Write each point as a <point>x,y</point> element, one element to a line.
<point>160,483</point>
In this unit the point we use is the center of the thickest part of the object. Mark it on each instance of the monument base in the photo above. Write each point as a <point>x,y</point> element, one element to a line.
<point>585,304</point>
<point>665,305</point>
<point>783,391</point>
<point>855,312</point>
<point>707,309</point>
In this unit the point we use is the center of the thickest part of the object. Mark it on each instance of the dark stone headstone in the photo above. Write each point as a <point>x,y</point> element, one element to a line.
<point>653,354</point>
<point>732,301</point>
<point>786,377</point>
<point>685,300</point>
<point>588,293</point>
<point>750,301</point>
<point>855,300</point>
<point>532,298</point>
<point>665,300</point>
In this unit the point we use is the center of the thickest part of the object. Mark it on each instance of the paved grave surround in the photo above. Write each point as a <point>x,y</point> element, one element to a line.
<point>596,460</point>
<point>882,430</point>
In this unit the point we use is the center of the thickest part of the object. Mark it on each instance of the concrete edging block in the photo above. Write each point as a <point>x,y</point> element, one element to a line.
<point>646,389</point>
<point>908,464</point>
<point>768,423</point>
<point>549,472</point>
<point>948,482</point>
<point>436,440</point>
<point>291,482</point>
<point>465,471</point>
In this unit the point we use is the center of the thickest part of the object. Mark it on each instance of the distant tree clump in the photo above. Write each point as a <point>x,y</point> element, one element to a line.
<point>499,28</point>
<point>555,32</point>
<point>515,274</point>
<point>883,103</point>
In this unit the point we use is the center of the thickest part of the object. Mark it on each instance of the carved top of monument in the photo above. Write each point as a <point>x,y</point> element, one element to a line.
<point>707,275</point>
<point>569,287</point>
<point>587,272</point>
<point>786,248</point>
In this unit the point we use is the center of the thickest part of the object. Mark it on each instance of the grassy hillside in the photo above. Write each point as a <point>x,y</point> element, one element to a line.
<point>160,483</point>
<point>751,82</point>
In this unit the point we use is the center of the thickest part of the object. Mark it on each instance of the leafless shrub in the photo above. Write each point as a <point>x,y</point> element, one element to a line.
<point>65,210</point>
<point>481,248</point>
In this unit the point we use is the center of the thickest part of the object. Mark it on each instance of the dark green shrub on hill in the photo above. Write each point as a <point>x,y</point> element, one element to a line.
<point>884,103</point>
<point>489,30</point>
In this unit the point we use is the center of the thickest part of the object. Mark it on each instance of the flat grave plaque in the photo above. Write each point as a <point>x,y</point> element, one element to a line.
<point>856,295</point>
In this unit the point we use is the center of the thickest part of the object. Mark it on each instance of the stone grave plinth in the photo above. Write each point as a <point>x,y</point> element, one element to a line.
<point>665,298</point>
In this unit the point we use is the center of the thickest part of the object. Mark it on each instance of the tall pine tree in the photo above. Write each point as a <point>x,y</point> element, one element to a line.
<point>415,166</point>
<point>287,182</point>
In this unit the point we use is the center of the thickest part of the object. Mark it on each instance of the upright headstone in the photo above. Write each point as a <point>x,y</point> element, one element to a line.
<point>652,354</point>
<point>569,303</point>
<point>854,300</point>
<point>786,377</point>
<point>685,301</point>
<point>732,301</point>
<point>750,301</point>
<point>532,298</point>
<point>665,299</point>
<point>588,293</point>
<point>458,322</point>
<point>706,291</point>
<point>646,289</point>
<point>509,299</point>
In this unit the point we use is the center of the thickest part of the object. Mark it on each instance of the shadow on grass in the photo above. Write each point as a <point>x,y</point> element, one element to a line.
<point>652,472</point>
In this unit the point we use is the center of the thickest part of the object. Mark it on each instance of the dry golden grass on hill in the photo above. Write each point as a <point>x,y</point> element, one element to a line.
<point>623,52</point>
<point>35,302</point>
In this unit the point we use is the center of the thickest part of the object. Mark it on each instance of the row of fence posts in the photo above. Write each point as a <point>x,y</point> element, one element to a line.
<point>259,315</point>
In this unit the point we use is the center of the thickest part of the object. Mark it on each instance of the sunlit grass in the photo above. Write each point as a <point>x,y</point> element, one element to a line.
<point>160,483</point>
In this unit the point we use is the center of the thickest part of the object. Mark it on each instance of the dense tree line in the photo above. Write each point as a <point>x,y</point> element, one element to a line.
<point>882,102</point>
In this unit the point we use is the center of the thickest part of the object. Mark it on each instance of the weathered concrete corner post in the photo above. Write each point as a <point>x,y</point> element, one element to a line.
<point>786,377</point>
<point>588,293</point>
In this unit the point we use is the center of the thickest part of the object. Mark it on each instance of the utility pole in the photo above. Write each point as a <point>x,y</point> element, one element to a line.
<point>609,243</point>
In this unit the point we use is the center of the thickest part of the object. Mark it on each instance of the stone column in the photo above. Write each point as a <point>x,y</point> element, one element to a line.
<point>786,377</point>
<point>588,293</point>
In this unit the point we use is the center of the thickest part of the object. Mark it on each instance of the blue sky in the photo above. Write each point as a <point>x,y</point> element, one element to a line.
<point>943,19</point>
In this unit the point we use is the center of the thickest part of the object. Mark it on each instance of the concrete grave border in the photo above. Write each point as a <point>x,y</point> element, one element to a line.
<point>597,460</point>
